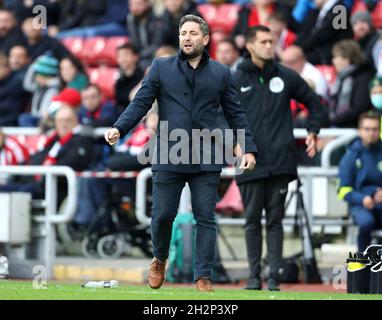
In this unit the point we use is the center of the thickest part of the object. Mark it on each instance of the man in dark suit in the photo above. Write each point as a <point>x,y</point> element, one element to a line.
<point>189,89</point>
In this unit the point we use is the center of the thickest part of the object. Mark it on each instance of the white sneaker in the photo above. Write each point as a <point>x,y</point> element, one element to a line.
<point>3,267</point>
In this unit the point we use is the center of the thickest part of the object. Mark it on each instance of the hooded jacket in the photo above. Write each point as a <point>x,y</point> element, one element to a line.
<point>265,95</point>
<point>360,172</point>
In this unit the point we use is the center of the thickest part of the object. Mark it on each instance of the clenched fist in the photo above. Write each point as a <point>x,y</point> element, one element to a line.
<point>111,136</point>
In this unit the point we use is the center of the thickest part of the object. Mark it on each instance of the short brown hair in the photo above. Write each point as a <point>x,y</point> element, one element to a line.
<point>372,115</point>
<point>349,49</point>
<point>191,18</point>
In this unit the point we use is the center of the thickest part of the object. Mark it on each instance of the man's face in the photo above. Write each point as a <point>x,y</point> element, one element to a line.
<point>91,99</point>
<point>126,59</point>
<point>226,54</point>
<point>261,46</point>
<point>369,131</point>
<point>293,58</point>
<point>30,30</point>
<point>65,121</point>
<point>191,39</point>
<point>360,29</point>
<point>18,58</point>
<point>7,23</point>
<point>320,3</point>
<point>340,62</point>
<point>138,7</point>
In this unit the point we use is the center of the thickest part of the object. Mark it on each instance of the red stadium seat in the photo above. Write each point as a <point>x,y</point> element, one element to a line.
<point>221,17</point>
<point>377,15</point>
<point>208,12</point>
<point>75,45</point>
<point>92,50</point>
<point>328,72</point>
<point>226,18</point>
<point>105,78</point>
<point>358,5</point>
<point>109,54</point>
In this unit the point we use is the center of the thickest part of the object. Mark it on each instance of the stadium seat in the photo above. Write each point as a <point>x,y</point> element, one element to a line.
<point>108,55</point>
<point>220,18</point>
<point>105,77</point>
<point>75,45</point>
<point>377,15</point>
<point>92,50</point>
<point>328,72</point>
<point>358,5</point>
<point>226,18</point>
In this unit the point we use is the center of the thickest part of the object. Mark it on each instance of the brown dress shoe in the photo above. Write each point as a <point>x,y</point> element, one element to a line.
<point>204,284</point>
<point>156,273</point>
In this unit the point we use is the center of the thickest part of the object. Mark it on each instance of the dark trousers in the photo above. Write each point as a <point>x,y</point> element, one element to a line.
<point>269,194</point>
<point>367,221</point>
<point>167,189</point>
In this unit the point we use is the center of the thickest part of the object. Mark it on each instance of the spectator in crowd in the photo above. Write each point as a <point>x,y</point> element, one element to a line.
<point>376,95</point>
<point>144,30</point>
<point>39,44</point>
<point>255,13</point>
<point>350,95</point>
<point>23,9</point>
<point>228,54</point>
<point>265,90</point>
<point>72,73</point>
<point>67,97</point>
<point>94,191</point>
<point>318,32</point>
<point>106,18</point>
<point>174,11</point>
<point>282,36</point>
<point>94,112</point>
<point>43,82</point>
<point>360,175</point>
<point>12,151</point>
<point>13,98</point>
<point>367,37</point>
<point>10,33</point>
<point>75,13</point>
<point>19,59</point>
<point>130,74</point>
<point>293,57</point>
<point>65,146</point>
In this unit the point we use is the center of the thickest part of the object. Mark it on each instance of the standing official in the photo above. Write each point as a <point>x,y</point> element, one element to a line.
<point>265,89</point>
<point>189,89</point>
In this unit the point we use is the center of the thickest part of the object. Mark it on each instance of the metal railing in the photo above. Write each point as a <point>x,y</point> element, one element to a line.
<point>46,222</point>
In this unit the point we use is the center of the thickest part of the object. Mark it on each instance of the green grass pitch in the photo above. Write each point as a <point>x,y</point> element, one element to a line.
<point>23,290</point>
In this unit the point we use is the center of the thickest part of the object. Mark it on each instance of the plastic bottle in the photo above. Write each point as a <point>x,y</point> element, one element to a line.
<point>3,267</point>
<point>102,284</point>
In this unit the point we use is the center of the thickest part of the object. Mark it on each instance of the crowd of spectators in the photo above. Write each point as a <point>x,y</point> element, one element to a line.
<point>40,73</point>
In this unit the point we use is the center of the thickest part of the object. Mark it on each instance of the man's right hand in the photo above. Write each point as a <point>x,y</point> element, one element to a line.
<point>112,135</point>
<point>368,202</point>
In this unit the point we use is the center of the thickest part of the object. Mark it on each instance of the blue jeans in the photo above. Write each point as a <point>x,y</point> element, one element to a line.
<point>367,221</point>
<point>167,189</point>
<point>104,30</point>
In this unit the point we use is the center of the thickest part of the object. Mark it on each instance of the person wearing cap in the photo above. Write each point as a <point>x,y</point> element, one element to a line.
<point>360,177</point>
<point>67,97</point>
<point>376,95</point>
<point>43,82</point>
<point>368,38</point>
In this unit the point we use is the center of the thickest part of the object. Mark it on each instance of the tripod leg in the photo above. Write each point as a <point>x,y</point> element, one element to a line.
<point>226,243</point>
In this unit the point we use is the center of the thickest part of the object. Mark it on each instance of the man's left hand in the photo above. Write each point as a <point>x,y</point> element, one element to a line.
<point>311,141</point>
<point>248,162</point>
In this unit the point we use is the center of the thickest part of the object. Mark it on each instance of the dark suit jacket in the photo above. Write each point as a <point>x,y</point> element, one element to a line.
<point>188,99</point>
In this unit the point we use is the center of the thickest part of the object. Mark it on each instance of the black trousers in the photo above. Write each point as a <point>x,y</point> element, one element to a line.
<point>269,194</point>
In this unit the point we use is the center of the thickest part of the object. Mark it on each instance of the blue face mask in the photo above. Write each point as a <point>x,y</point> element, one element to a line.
<point>376,100</point>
